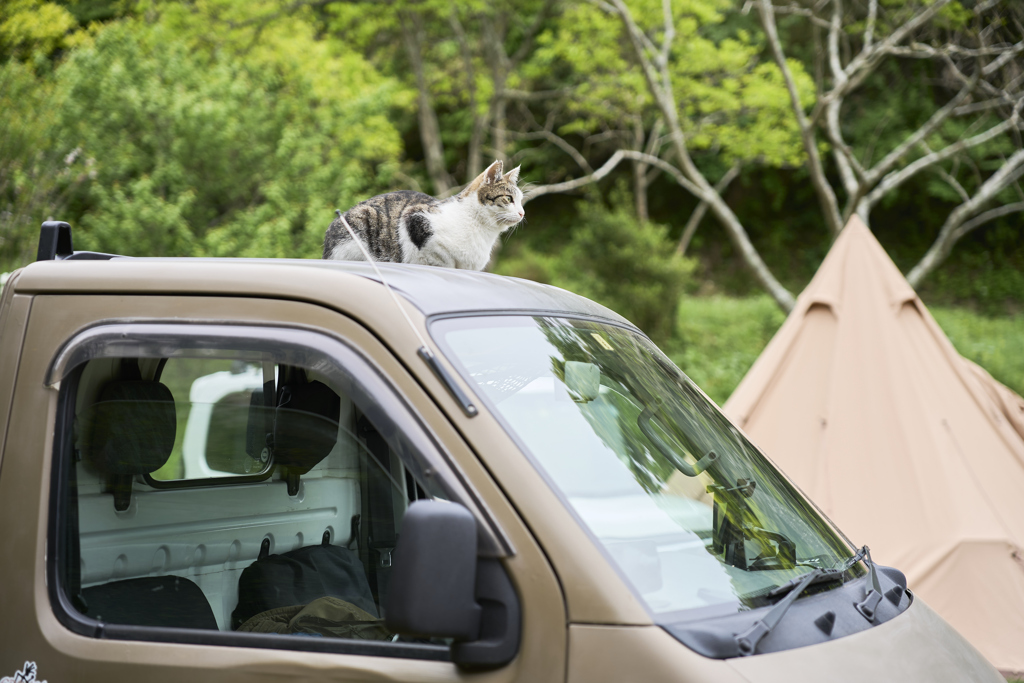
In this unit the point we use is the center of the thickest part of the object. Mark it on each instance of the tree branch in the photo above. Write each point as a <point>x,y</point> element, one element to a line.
<point>869,29</point>
<point>660,87</point>
<point>871,56</point>
<point>896,178</point>
<point>990,215</point>
<point>950,231</point>
<point>924,51</point>
<point>826,196</point>
<point>702,208</point>
<point>559,142</point>
<point>536,95</point>
<point>929,126</point>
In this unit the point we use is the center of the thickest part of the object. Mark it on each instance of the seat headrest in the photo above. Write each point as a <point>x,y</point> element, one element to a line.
<point>130,430</point>
<point>305,425</point>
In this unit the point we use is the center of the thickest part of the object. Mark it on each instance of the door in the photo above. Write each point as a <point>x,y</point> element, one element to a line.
<point>219,500</point>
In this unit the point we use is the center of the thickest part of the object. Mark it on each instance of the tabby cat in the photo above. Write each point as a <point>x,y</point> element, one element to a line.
<point>412,227</point>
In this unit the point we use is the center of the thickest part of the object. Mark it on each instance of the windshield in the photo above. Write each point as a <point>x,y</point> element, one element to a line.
<point>696,519</point>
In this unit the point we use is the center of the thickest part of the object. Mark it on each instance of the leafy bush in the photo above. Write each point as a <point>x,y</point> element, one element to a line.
<point>616,260</point>
<point>181,152</point>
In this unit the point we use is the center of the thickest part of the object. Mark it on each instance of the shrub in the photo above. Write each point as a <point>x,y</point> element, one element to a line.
<point>616,260</point>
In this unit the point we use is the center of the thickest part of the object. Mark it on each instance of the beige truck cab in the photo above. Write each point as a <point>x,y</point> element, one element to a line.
<point>286,470</point>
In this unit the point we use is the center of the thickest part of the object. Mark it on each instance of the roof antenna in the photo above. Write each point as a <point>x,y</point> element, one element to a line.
<point>424,351</point>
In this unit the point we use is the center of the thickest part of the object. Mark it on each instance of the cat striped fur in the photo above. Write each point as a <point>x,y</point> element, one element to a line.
<point>413,227</point>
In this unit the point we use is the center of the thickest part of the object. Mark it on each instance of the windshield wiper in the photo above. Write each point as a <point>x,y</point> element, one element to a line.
<point>791,590</point>
<point>822,574</point>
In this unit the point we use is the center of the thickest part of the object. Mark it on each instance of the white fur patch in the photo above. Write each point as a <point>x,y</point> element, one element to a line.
<point>464,233</point>
<point>347,251</point>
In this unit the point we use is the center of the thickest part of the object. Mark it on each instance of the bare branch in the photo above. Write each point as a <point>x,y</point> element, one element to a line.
<point>670,33</point>
<point>608,167</point>
<point>559,142</point>
<point>569,185</point>
<point>536,95</point>
<point>998,63</point>
<point>861,66</point>
<point>869,29</point>
<point>950,232</point>
<point>954,183</point>
<point>802,11</point>
<point>659,85</point>
<point>930,126</point>
<point>676,174</point>
<point>924,51</point>
<point>990,215</point>
<point>896,178</point>
<point>702,208</point>
<point>826,196</point>
<point>979,106</point>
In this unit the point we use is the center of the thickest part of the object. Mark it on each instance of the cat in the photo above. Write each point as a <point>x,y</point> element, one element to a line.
<point>413,227</point>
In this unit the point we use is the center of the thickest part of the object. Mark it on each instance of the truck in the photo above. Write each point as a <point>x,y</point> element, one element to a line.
<point>305,470</point>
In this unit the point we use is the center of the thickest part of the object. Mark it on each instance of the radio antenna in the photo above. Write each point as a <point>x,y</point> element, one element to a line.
<point>424,351</point>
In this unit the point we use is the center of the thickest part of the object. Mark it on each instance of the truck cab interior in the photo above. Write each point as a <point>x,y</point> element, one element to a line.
<point>292,534</point>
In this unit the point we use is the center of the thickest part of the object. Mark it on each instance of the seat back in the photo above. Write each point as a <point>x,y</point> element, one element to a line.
<point>150,601</point>
<point>130,430</point>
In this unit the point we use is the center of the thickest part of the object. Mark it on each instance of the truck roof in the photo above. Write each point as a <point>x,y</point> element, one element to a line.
<point>432,290</point>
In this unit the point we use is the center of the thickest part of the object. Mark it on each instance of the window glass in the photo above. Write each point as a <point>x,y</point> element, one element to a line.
<point>232,492</point>
<point>211,399</point>
<point>696,519</point>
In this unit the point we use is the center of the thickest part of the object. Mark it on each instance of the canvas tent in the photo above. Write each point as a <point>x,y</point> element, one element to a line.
<point>908,447</point>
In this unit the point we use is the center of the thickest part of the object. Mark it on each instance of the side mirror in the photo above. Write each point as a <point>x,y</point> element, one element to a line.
<point>434,575</point>
<point>440,589</point>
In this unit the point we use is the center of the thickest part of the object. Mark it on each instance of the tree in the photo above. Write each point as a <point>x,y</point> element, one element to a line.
<point>204,142</point>
<point>708,95</point>
<point>971,137</point>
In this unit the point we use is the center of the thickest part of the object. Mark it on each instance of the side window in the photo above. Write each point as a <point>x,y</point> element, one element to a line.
<point>241,491</point>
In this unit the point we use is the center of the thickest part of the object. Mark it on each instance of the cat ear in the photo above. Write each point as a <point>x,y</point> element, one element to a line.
<point>493,172</point>
<point>513,176</point>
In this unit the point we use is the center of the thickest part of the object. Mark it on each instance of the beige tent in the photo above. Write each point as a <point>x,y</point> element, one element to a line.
<point>862,400</point>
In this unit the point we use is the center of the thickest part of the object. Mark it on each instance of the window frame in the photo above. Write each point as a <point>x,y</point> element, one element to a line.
<point>387,409</point>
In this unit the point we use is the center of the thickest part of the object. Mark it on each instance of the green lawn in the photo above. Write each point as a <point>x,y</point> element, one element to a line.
<point>996,344</point>
<point>718,338</point>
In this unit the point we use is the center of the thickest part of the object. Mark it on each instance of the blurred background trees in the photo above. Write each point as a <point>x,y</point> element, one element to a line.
<point>672,147</point>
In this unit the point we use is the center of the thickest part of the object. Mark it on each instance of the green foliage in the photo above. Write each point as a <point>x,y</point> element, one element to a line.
<point>617,261</point>
<point>219,154</point>
<point>719,338</point>
<point>30,169</point>
<point>993,343</point>
<point>731,101</point>
<point>32,28</point>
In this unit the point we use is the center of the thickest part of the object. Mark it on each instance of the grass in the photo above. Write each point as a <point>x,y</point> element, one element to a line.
<point>718,338</point>
<point>996,344</point>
